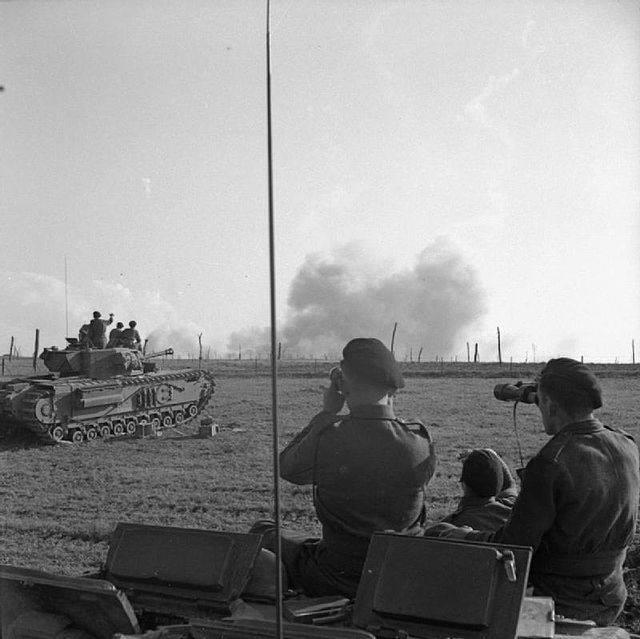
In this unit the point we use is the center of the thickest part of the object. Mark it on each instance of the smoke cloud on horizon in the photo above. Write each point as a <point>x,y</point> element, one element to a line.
<point>333,299</point>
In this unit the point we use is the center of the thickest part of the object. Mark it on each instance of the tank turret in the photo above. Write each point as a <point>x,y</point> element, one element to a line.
<point>99,363</point>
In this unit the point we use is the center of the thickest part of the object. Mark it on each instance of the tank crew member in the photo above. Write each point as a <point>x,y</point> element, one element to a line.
<point>115,336</point>
<point>83,336</point>
<point>369,471</point>
<point>578,504</point>
<point>130,337</point>
<point>489,491</point>
<point>98,330</point>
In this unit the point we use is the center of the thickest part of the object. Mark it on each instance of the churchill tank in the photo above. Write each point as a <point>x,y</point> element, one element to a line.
<point>112,392</point>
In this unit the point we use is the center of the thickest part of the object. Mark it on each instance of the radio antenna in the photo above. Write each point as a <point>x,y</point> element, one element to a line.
<point>274,361</point>
<point>66,299</point>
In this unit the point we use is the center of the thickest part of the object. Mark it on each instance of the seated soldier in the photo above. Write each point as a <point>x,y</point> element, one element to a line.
<point>369,472</point>
<point>130,338</point>
<point>489,492</point>
<point>578,504</point>
<point>115,336</point>
<point>83,336</point>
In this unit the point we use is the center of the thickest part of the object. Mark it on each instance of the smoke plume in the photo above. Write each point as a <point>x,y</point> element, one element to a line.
<point>333,299</point>
<point>253,341</point>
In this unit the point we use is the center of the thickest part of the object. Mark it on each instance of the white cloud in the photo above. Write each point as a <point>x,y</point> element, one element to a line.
<point>478,109</point>
<point>36,300</point>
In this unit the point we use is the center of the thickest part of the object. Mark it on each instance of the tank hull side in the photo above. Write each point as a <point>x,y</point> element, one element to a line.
<point>79,408</point>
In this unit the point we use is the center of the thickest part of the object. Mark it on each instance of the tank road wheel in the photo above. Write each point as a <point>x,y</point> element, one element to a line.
<point>56,433</point>
<point>131,427</point>
<point>104,430</point>
<point>76,436</point>
<point>91,433</point>
<point>44,411</point>
<point>192,410</point>
<point>118,429</point>
<point>178,417</point>
<point>167,420</point>
<point>155,423</point>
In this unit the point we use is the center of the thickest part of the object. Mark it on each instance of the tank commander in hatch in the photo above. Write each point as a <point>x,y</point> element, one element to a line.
<point>115,336</point>
<point>98,330</point>
<point>578,504</point>
<point>489,491</point>
<point>369,471</point>
<point>130,337</point>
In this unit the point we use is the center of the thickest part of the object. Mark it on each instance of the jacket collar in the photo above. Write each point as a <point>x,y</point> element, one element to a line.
<point>584,427</point>
<point>373,411</point>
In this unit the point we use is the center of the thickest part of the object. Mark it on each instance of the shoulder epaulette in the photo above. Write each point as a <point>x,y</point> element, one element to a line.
<point>620,431</point>
<point>414,425</point>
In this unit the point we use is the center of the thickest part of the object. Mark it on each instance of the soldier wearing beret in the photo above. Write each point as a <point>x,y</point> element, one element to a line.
<point>98,330</point>
<point>130,338</point>
<point>369,472</point>
<point>115,336</point>
<point>489,492</point>
<point>578,504</point>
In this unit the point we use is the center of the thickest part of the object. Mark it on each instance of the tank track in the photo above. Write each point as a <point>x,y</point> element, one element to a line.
<point>37,409</point>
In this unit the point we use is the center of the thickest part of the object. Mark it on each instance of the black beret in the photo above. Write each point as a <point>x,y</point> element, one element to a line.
<point>482,472</point>
<point>372,362</point>
<point>574,376</point>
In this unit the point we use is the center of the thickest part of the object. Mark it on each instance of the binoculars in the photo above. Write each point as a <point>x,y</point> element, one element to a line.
<point>525,392</point>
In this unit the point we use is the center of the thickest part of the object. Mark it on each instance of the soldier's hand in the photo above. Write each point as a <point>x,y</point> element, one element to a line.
<point>444,529</point>
<point>333,399</point>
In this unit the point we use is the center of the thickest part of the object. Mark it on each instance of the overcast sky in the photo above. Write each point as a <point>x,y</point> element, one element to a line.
<point>449,166</point>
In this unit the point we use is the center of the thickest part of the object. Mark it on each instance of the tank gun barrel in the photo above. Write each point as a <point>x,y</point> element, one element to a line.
<point>166,351</point>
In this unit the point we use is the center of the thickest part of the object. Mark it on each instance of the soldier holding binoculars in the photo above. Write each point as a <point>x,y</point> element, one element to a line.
<point>369,471</point>
<point>578,504</point>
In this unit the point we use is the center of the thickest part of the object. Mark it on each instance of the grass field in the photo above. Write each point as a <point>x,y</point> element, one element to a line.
<point>60,503</point>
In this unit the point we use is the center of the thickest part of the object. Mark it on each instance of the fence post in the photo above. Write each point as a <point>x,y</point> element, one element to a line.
<point>35,350</point>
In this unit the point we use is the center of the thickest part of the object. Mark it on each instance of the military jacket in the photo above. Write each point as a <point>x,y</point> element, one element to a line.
<point>483,513</point>
<point>578,504</point>
<point>369,471</point>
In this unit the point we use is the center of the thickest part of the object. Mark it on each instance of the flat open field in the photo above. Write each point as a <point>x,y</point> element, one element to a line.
<point>60,503</point>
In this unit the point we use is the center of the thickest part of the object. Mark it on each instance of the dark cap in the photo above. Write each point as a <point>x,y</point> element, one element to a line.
<point>482,472</point>
<point>132,324</point>
<point>573,376</point>
<point>119,325</point>
<point>372,362</point>
<point>96,314</point>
